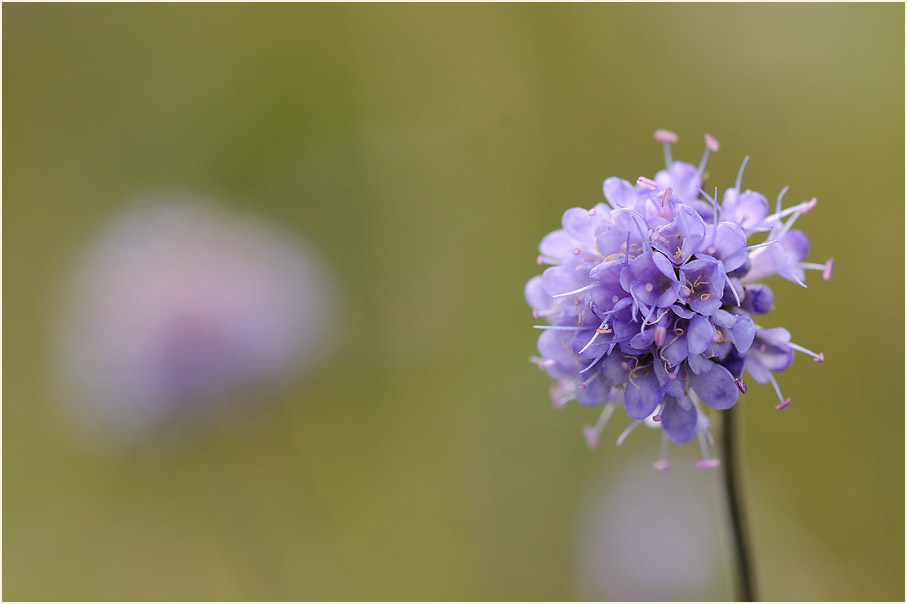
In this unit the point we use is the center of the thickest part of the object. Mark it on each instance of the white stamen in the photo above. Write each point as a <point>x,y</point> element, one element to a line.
<point>780,197</point>
<point>740,174</point>
<point>818,356</point>
<point>623,435</point>
<point>576,291</point>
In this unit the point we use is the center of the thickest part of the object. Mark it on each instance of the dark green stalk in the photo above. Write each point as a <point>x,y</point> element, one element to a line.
<point>743,564</point>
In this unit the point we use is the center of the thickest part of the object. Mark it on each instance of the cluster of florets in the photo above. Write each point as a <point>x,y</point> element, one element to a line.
<point>650,300</point>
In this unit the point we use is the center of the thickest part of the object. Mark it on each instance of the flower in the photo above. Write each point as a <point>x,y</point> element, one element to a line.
<point>178,310</point>
<point>649,300</point>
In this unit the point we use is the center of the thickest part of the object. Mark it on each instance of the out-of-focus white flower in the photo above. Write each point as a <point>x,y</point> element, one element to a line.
<point>179,309</point>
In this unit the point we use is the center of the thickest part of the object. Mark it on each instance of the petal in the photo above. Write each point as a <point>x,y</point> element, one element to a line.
<point>699,334</point>
<point>716,388</point>
<point>699,364</point>
<point>642,395</point>
<point>613,370</point>
<point>675,386</point>
<point>557,244</point>
<point>678,423</point>
<point>561,279</point>
<point>675,351</point>
<point>595,393</point>
<point>536,295</point>
<point>743,333</point>
<point>619,192</point>
<point>580,225</point>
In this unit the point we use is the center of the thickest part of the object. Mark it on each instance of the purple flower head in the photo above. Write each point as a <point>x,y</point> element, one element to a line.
<point>648,301</point>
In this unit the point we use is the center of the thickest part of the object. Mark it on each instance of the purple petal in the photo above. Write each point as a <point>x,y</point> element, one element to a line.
<point>580,225</point>
<point>613,369</point>
<point>619,192</point>
<point>595,392</point>
<point>678,422</point>
<point>674,387</point>
<point>699,364</point>
<point>642,395</point>
<point>743,333</point>
<point>561,279</point>
<point>557,244</point>
<point>699,334</point>
<point>675,350</point>
<point>536,295</point>
<point>716,388</point>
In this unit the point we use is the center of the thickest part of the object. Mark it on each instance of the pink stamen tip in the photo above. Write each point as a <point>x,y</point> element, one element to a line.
<point>535,314</point>
<point>661,332</point>
<point>741,385</point>
<point>820,358</point>
<point>576,251</point>
<point>581,386</point>
<point>592,439</point>
<point>829,269</point>
<point>592,212</point>
<point>647,183</point>
<point>557,401</point>
<point>809,206</point>
<point>705,464</point>
<point>667,196</point>
<point>672,376</point>
<point>783,405</point>
<point>662,464</point>
<point>656,418</point>
<point>625,365</point>
<point>716,337</point>
<point>665,136</point>
<point>712,143</point>
<point>540,260</point>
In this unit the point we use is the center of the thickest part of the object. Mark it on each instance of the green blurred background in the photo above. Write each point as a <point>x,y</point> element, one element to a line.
<point>425,150</point>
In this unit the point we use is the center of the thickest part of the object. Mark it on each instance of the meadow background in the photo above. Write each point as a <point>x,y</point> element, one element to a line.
<point>425,150</point>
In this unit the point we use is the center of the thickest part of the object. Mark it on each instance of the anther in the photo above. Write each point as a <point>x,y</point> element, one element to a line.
<point>829,269</point>
<point>704,464</point>
<point>783,404</point>
<point>662,464</point>
<point>665,136</point>
<point>741,385</point>
<point>592,437</point>
<point>661,332</point>
<point>592,212</point>
<point>647,183</point>
<point>576,251</point>
<point>809,205</point>
<point>667,196</point>
<point>820,358</point>
<point>712,142</point>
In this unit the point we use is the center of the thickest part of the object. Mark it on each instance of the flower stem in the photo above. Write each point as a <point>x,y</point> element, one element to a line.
<point>743,562</point>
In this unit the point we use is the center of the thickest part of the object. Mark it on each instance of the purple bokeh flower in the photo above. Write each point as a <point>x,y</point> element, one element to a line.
<point>178,310</point>
<point>649,299</point>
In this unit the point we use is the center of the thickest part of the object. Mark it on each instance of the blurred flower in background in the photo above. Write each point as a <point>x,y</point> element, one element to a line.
<point>179,309</point>
<point>650,539</point>
<point>656,537</point>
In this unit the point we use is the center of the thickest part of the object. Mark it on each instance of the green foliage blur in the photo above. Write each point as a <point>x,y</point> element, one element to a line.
<point>425,150</point>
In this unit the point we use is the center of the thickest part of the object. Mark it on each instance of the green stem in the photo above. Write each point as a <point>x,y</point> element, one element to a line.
<point>743,563</point>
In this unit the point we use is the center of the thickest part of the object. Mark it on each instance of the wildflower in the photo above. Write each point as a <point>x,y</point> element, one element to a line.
<point>648,300</point>
<point>179,310</point>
